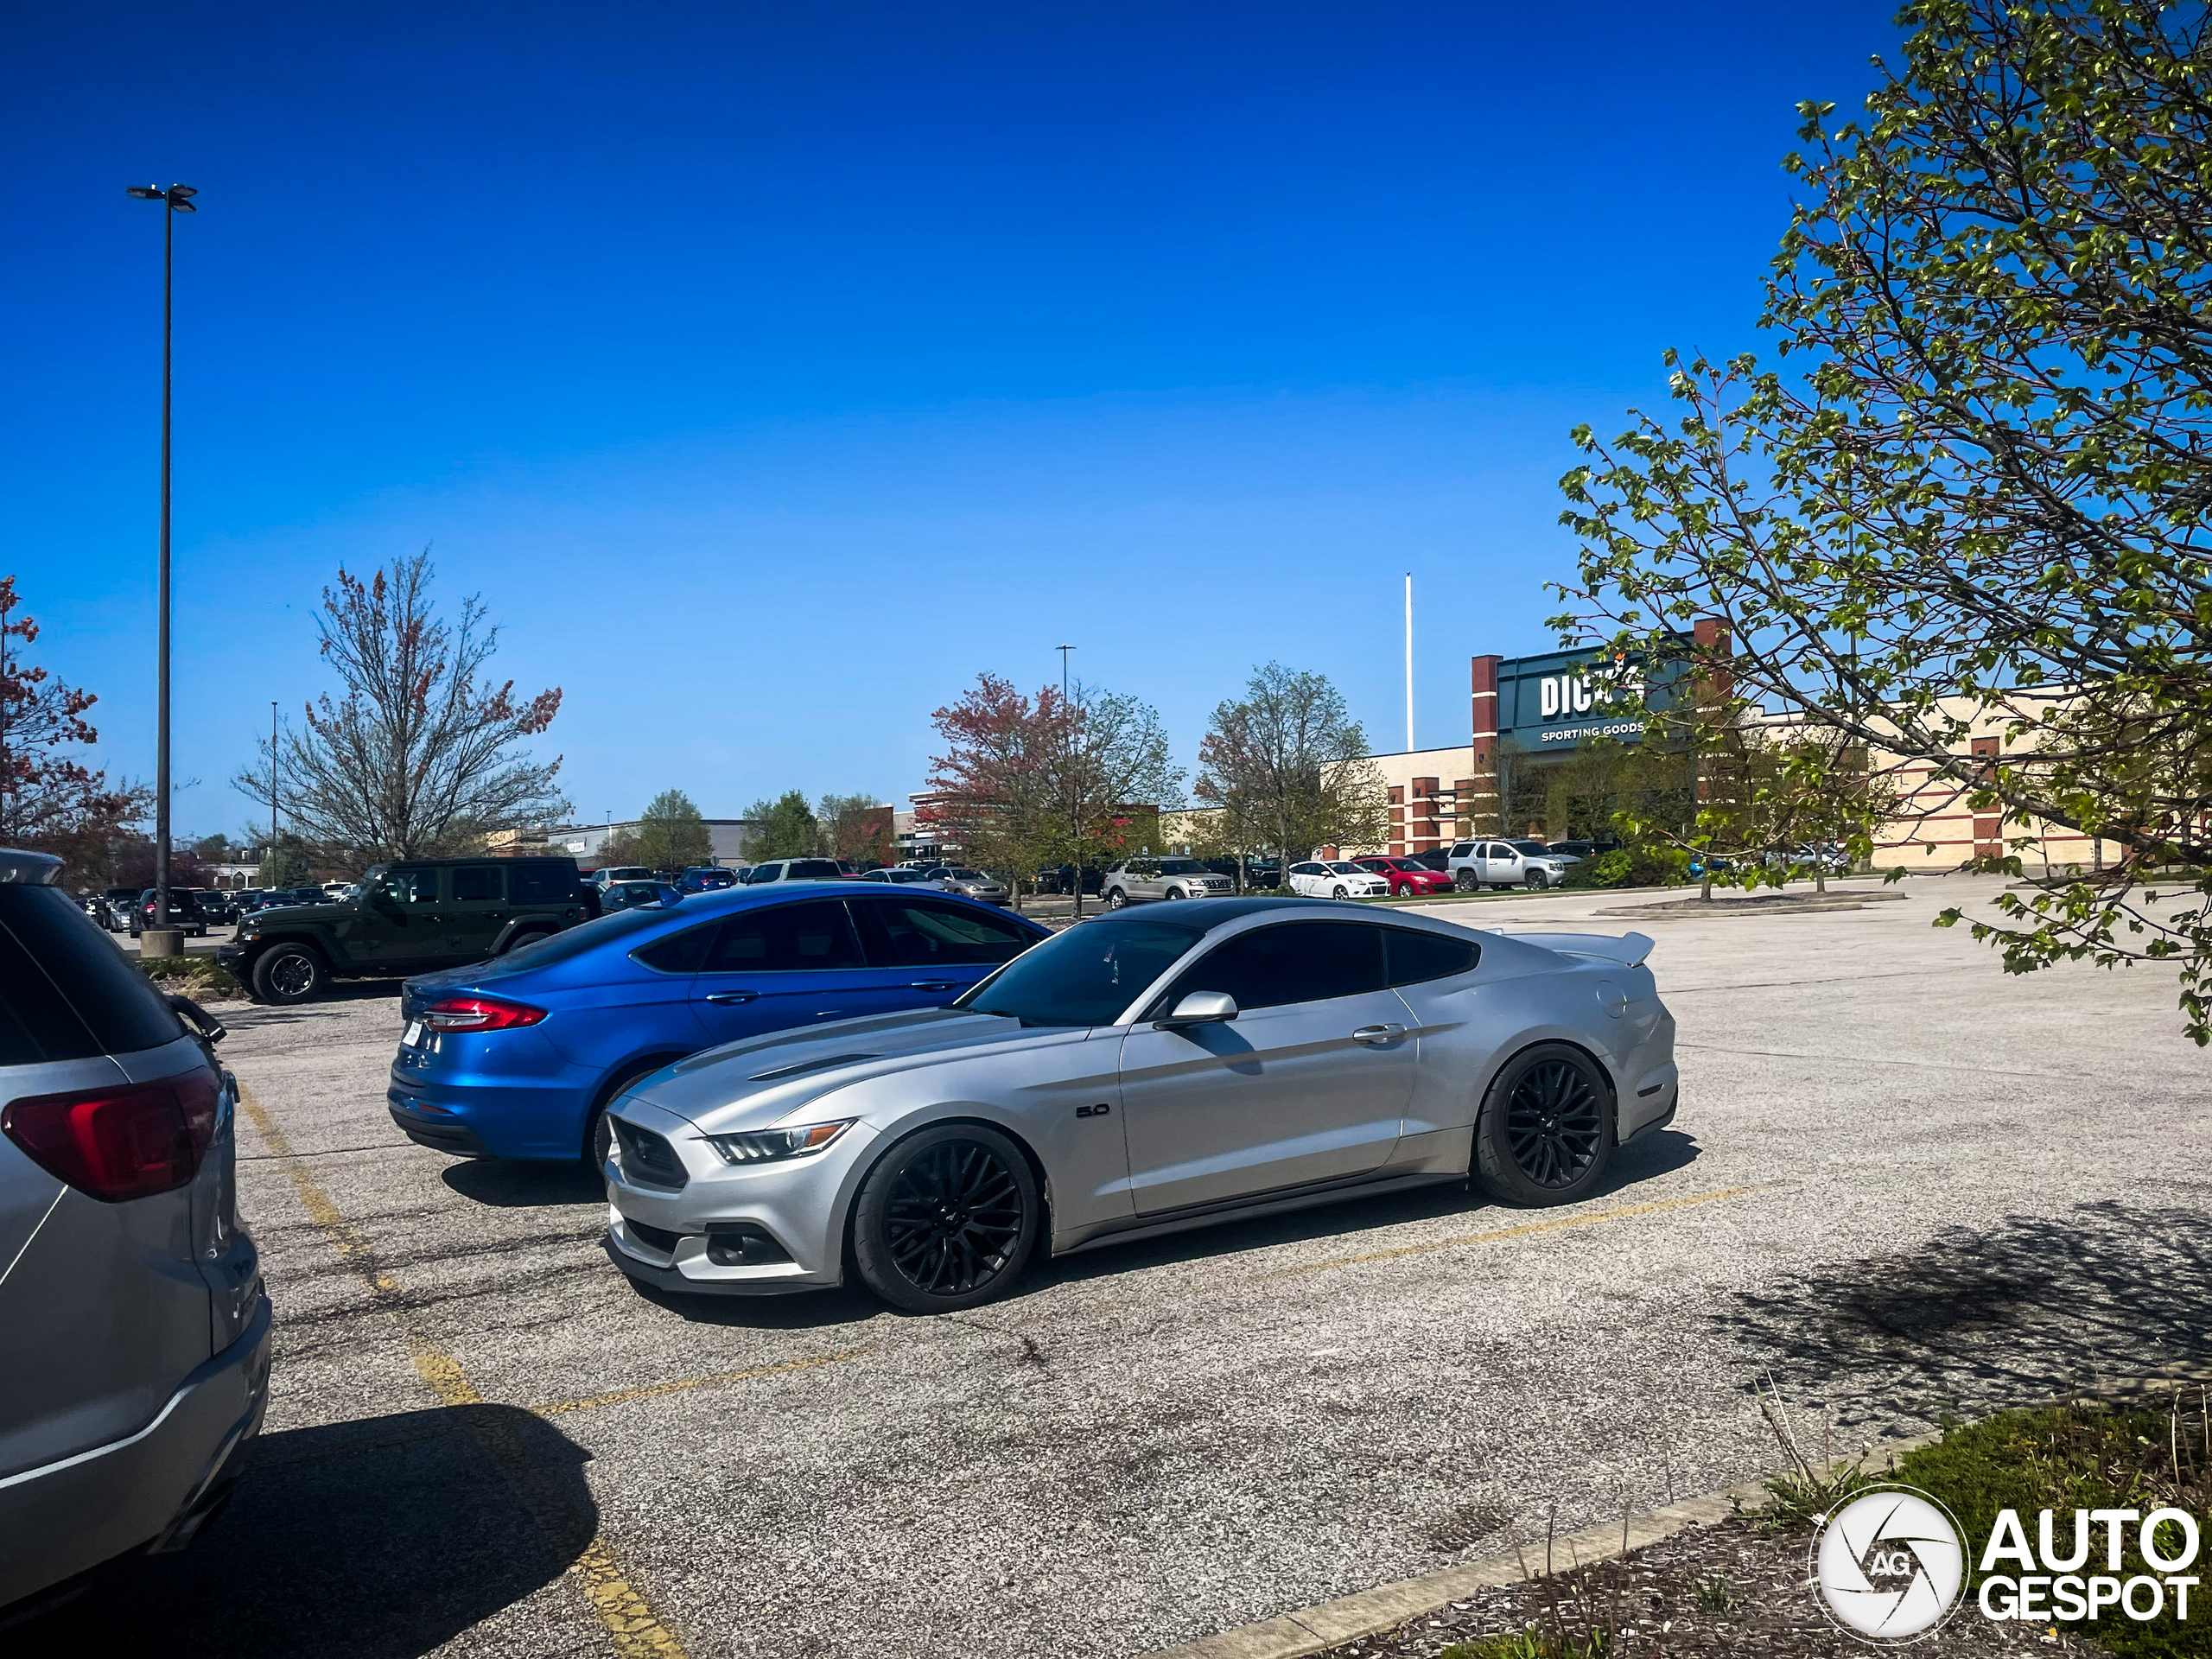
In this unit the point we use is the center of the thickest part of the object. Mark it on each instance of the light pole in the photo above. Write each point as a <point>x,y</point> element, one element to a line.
<point>1075,851</point>
<point>177,199</point>
<point>272,779</point>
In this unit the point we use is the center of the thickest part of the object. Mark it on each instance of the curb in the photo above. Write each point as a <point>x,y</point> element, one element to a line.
<point>1312,1630</point>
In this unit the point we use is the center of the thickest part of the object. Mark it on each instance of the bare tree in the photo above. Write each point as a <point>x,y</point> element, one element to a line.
<point>420,755</point>
<point>1287,764</point>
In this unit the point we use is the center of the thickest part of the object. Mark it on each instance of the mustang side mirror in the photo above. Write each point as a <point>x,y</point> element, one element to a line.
<point>1199,1008</point>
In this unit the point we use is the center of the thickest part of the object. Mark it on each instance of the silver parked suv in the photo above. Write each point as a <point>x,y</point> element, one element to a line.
<point>134,1334</point>
<point>1478,864</point>
<point>1163,877</point>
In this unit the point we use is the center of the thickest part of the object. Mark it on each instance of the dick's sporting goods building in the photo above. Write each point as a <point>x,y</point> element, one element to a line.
<point>1543,707</point>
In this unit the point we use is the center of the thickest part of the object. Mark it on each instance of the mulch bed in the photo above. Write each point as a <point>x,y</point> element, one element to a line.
<point>1652,1597</point>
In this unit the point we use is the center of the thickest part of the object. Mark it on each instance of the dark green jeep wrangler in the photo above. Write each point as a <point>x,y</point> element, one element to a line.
<point>408,919</point>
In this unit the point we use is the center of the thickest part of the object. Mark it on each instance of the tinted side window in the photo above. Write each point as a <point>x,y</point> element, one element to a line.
<point>1295,962</point>
<point>542,884</point>
<point>679,953</point>
<point>913,933</point>
<point>66,993</point>
<point>1415,956</point>
<point>786,939</point>
<point>477,883</point>
<point>411,886</point>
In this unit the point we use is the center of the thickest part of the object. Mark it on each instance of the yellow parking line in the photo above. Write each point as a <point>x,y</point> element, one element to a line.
<point>652,1391</point>
<point>1559,1223</point>
<point>638,1632</point>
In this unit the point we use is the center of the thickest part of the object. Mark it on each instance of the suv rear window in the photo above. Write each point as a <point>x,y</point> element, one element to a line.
<point>67,993</point>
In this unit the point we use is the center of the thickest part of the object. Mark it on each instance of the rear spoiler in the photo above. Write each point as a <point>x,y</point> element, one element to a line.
<point>1627,949</point>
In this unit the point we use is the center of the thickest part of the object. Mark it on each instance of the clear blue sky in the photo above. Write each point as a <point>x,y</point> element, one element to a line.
<point>772,369</point>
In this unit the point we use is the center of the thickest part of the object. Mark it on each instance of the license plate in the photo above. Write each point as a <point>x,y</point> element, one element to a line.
<point>412,1037</point>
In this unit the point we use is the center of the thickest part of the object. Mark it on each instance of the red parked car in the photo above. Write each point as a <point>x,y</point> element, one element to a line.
<point>1406,878</point>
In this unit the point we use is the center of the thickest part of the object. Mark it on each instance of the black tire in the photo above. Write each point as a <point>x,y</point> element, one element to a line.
<point>285,973</point>
<point>1170,895</point>
<point>1337,892</point>
<point>946,1219</point>
<point>1537,882</point>
<point>530,938</point>
<point>1463,879</point>
<point>1545,1133</point>
<point>1116,900</point>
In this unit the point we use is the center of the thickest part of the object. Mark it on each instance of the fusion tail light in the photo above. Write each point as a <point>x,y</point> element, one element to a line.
<point>479,1013</point>
<point>125,1142</point>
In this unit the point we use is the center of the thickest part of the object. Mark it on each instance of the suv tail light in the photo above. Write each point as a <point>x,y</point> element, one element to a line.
<point>125,1142</point>
<point>479,1013</point>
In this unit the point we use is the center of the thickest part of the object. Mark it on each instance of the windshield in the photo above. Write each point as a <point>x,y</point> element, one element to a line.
<point>1530,849</point>
<point>1085,976</point>
<point>585,936</point>
<point>1342,868</point>
<point>966,875</point>
<point>1180,867</point>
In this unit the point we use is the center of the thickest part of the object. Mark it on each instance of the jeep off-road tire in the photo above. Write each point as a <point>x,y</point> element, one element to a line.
<point>1546,1132</point>
<point>286,974</point>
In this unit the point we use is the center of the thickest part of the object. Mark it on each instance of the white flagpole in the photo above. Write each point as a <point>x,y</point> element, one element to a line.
<point>1409,662</point>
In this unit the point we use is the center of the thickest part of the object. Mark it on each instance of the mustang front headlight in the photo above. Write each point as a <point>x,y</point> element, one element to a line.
<point>766,1145</point>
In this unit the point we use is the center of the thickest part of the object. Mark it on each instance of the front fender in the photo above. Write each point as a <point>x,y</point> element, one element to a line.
<point>313,933</point>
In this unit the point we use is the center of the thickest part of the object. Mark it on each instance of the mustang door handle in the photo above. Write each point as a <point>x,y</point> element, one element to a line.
<point>726,998</point>
<point>1377,1034</point>
<point>932,984</point>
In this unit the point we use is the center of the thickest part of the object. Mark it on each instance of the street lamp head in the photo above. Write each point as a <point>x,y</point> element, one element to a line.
<point>146,192</point>
<point>179,192</point>
<point>182,207</point>
<point>179,196</point>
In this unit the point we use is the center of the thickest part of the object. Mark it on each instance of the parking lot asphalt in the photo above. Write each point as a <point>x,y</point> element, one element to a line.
<point>1902,1184</point>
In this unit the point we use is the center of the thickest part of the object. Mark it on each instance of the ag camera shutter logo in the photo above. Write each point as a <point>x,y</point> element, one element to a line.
<point>1889,1566</point>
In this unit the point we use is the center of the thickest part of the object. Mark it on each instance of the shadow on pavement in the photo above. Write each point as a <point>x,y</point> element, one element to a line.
<point>1984,1318</point>
<point>510,1184</point>
<point>1659,1153</point>
<point>385,1537</point>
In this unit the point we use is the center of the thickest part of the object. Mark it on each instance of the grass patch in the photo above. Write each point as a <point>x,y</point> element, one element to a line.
<point>2085,1456</point>
<point>202,978</point>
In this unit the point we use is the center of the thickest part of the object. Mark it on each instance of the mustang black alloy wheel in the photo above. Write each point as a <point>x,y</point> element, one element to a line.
<point>946,1219</point>
<point>1546,1132</point>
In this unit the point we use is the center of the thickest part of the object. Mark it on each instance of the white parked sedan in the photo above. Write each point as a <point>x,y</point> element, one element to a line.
<point>1337,879</point>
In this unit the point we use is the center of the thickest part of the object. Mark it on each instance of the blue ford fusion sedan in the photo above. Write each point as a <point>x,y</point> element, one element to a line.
<point>520,1056</point>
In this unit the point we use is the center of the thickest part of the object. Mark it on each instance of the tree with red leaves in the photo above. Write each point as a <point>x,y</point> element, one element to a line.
<point>49,801</point>
<point>419,758</point>
<point>1026,782</point>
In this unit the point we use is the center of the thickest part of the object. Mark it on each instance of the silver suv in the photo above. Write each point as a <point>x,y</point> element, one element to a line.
<point>1475,865</point>
<point>1142,878</point>
<point>134,1334</point>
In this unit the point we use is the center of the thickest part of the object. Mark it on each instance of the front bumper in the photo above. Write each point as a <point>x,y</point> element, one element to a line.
<point>660,1236</point>
<point>151,1489</point>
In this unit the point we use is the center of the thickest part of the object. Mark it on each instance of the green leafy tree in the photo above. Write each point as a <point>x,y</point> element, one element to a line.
<point>1981,497</point>
<point>285,862</point>
<point>1288,766</point>
<point>672,835</point>
<point>784,828</point>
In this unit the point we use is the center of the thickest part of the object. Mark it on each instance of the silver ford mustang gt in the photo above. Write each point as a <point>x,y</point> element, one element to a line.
<point>1137,1074</point>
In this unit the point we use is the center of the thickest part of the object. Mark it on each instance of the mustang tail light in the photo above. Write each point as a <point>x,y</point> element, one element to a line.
<point>479,1013</point>
<point>129,1141</point>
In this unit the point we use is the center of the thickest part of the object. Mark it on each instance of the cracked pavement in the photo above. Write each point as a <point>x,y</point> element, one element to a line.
<point>1962,1189</point>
